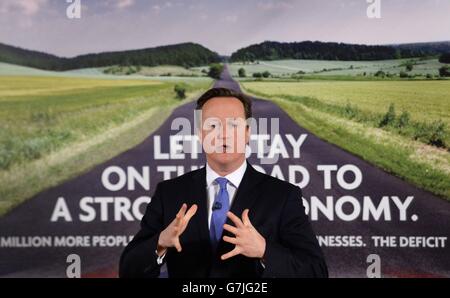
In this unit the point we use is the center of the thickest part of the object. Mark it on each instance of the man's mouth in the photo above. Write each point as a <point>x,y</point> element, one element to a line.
<point>224,148</point>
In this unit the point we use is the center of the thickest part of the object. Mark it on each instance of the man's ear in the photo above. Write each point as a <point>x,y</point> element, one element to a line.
<point>248,133</point>
<point>198,132</point>
<point>198,125</point>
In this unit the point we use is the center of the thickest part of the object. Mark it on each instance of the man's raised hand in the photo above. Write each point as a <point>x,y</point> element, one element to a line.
<point>170,236</point>
<point>248,241</point>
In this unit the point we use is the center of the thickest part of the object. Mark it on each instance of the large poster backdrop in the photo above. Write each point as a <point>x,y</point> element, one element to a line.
<point>368,222</point>
<point>80,73</point>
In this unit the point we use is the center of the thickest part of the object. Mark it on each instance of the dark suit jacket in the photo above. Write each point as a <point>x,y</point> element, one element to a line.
<point>276,211</point>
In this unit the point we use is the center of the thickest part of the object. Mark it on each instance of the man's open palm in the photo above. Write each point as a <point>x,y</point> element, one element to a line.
<point>170,236</point>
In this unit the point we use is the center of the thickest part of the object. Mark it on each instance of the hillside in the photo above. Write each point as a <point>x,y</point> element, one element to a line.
<point>184,54</point>
<point>271,50</point>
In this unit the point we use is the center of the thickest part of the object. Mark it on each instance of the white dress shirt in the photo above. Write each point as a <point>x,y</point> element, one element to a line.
<point>212,187</point>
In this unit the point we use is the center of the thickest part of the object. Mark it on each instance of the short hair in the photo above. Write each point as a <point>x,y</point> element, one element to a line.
<point>225,92</point>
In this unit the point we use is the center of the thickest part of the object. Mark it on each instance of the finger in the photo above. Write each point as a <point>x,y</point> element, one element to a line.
<point>235,219</point>
<point>180,213</point>
<point>230,254</point>
<point>231,240</point>
<point>245,218</point>
<point>190,213</point>
<point>177,245</point>
<point>182,210</point>
<point>230,229</point>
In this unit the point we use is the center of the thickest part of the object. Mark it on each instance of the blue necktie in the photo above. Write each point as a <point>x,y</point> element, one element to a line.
<point>220,208</point>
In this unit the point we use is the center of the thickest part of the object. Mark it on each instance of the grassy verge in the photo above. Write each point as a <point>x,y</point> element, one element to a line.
<point>98,122</point>
<point>423,165</point>
<point>433,133</point>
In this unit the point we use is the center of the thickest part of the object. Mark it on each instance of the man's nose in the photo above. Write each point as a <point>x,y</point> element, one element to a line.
<point>224,132</point>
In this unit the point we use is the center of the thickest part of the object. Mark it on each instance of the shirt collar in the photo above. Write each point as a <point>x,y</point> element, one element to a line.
<point>234,177</point>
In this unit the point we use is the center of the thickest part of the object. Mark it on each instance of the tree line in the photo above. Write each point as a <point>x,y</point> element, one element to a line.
<point>184,54</point>
<point>315,50</point>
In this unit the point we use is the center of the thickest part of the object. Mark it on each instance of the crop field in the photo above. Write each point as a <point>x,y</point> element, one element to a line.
<point>400,126</point>
<point>50,126</point>
<point>424,100</point>
<point>336,68</point>
<point>162,70</point>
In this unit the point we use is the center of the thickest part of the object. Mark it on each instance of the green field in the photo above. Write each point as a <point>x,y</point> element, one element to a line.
<point>51,126</point>
<point>160,73</point>
<point>285,68</point>
<point>162,70</point>
<point>349,113</point>
<point>424,100</point>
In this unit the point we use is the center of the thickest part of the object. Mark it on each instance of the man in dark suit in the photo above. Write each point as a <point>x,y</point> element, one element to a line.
<point>193,223</point>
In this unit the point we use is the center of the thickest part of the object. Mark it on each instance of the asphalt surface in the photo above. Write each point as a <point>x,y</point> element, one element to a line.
<point>427,215</point>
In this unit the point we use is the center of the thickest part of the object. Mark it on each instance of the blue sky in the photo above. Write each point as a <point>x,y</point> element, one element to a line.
<point>222,26</point>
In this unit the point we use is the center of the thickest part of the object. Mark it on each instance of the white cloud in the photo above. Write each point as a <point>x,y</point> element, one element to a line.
<point>124,3</point>
<point>274,5</point>
<point>230,18</point>
<point>156,8</point>
<point>165,6</point>
<point>27,7</point>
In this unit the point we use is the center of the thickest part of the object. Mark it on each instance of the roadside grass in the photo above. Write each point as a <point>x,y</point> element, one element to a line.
<point>421,109</point>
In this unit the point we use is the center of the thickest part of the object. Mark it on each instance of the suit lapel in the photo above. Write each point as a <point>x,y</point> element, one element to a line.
<point>199,196</point>
<point>244,197</point>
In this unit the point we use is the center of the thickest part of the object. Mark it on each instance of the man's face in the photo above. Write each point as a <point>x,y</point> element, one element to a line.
<point>224,132</point>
